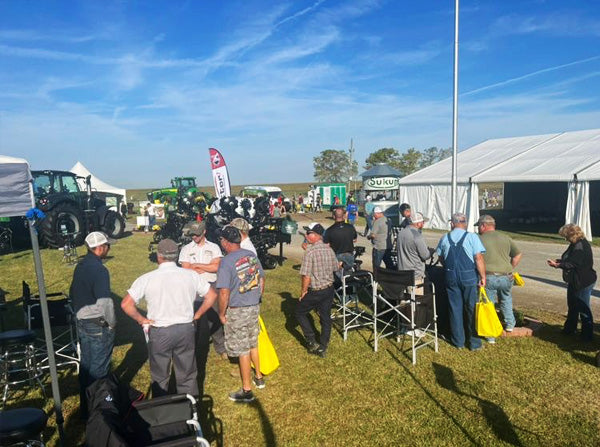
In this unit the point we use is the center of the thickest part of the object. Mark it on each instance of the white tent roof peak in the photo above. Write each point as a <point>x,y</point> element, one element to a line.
<point>97,184</point>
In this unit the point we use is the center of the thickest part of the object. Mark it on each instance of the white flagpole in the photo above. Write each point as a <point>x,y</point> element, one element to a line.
<point>455,110</point>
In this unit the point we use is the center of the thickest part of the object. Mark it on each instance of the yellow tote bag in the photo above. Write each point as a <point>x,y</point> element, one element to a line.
<point>486,318</point>
<point>518,280</point>
<point>268,359</point>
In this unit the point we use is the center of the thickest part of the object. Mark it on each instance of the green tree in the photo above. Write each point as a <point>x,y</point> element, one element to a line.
<point>410,161</point>
<point>334,166</point>
<point>387,155</point>
<point>433,155</point>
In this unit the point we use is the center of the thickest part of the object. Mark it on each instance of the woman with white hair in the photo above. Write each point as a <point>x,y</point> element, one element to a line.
<point>577,265</point>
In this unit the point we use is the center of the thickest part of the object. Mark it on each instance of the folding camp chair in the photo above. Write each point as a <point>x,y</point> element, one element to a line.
<point>62,323</point>
<point>399,311</point>
<point>348,307</point>
<point>166,421</point>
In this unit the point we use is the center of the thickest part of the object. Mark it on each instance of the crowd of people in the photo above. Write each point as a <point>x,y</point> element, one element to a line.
<point>205,290</point>
<point>215,292</point>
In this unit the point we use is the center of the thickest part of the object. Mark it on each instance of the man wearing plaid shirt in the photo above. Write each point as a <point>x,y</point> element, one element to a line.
<point>318,266</point>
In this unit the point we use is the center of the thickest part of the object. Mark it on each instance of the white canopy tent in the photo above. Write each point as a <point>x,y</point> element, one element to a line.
<point>16,199</point>
<point>97,184</point>
<point>569,157</point>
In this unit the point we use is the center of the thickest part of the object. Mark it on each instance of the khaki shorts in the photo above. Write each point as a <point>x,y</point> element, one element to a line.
<point>241,330</point>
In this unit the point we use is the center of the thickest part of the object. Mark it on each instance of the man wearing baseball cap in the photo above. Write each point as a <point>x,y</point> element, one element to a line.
<point>242,224</point>
<point>501,256</point>
<point>413,250</point>
<point>204,257</point>
<point>318,267</point>
<point>170,292</point>
<point>241,283</point>
<point>462,255</point>
<point>95,314</point>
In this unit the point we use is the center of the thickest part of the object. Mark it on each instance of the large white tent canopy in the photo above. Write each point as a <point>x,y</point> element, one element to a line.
<point>97,184</point>
<point>570,157</point>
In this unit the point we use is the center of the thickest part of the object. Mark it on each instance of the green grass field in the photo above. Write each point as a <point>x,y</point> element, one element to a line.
<point>539,391</point>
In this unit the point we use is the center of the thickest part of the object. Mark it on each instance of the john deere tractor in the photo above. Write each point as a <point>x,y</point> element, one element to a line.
<point>180,186</point>
<point>72,213</point>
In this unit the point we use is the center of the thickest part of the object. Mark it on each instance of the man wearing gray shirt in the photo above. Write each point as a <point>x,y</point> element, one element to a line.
<point>380,236</point>
<point>412,249</point>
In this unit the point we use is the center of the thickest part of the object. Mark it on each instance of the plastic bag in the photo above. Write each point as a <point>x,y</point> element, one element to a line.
<point>268,359</point>
<point>486,318</point>
<point>518,281</point>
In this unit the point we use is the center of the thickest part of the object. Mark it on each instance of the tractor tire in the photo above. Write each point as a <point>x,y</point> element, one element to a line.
<point>114,225</point>
<point>62,214</point>
<point>269,262</point>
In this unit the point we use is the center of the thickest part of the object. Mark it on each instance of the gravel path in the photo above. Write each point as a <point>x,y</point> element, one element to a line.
<point>543,289</point>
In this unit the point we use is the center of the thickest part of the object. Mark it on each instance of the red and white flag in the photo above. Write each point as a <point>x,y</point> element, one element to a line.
<point>220,174</point>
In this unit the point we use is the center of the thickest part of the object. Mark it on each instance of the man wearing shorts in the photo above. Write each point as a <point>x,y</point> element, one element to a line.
<point>240,282</point>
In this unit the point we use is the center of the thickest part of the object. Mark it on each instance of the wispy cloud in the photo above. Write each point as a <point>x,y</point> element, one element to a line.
<point>528,75</point>
<point>57,36</point>
<point>559,24</point>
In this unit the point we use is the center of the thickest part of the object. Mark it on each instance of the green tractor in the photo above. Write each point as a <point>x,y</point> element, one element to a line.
<point>180,186</point>
<point>71,213</point>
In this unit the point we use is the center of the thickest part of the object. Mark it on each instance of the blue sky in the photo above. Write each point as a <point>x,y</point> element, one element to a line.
<point>138,91</point>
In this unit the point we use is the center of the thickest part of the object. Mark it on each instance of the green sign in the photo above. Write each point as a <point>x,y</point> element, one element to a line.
<point>381,183</point>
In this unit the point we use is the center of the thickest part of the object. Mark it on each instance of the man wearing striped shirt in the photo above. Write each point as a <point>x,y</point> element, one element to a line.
<point>318,266</point>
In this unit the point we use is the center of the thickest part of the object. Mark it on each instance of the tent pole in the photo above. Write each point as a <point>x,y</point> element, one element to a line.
<point>455,110</point>
<point>39,272</point>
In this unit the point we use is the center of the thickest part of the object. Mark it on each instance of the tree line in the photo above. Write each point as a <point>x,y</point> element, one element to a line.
<point>333,165</point>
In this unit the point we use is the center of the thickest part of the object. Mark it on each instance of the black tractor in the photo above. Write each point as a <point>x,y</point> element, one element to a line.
<point>71,213</point>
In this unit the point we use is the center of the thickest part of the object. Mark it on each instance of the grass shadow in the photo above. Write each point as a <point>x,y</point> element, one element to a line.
<point>570,344</point>
<point>288,306</point>
<point>494,415</point>
<point>212,427</point>
<point>439,404</point>
<point>556,283</point>
<point>267,429</point>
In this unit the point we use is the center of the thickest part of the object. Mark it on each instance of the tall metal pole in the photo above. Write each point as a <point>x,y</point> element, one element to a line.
<point>455,110</point>
<point>351,161</point>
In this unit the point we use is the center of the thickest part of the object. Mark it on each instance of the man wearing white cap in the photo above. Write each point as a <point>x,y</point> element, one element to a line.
<point>95,313</point>
<point>380,236</point>
<point>413,250</point>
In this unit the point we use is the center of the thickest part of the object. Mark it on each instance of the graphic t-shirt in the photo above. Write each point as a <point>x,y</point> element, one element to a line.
<point>240,272</point>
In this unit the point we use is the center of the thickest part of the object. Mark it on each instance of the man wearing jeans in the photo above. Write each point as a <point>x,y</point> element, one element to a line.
<point>501,256</point>
<point>95,313</point>
<point>170,292</point>
<point>461,255</point>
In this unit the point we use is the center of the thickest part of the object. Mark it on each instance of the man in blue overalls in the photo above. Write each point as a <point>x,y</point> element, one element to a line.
<point>462,255</point>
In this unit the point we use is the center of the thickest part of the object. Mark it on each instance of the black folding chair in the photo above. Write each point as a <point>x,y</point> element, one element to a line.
<point>399,311</point>
<point>62,323</point>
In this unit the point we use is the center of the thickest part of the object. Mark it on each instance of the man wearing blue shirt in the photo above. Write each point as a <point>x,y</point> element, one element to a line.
<point>462,255</point>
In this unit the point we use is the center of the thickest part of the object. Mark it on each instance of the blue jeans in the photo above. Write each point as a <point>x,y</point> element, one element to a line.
<point>461,304</point>
<point>96,350</point>
<point>578,302</point>
<point>381,255</point>
<point>498,289</point>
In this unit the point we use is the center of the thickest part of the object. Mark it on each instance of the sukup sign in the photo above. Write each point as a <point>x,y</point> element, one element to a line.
<point>381,183</point>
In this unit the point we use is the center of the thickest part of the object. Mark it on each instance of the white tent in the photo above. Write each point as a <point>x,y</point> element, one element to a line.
<point>569,157</point>
<point>16,199</point>
<point>97,184</point>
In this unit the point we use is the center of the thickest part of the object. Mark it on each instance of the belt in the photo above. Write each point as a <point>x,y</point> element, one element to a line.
<point>100,321</point>
<point>316,289</point>
<point>498,274</point>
